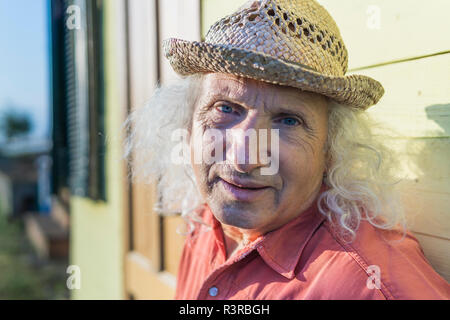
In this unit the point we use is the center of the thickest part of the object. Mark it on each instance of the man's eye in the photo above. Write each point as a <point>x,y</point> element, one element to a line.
<point>288,121</point>
<point>225,108</point>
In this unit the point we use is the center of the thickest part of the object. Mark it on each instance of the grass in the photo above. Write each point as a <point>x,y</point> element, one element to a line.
<point>22,274</point>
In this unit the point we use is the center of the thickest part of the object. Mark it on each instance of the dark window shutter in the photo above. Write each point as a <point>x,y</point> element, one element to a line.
<point>58,96</point>
<point>80,102</point>
<point>77,105</point>
<point>96,100</point>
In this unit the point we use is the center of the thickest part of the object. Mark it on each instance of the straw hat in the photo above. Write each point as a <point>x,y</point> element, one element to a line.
<point>287,42</point>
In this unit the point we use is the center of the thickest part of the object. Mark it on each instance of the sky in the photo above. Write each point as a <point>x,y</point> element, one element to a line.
<point>24,65</point>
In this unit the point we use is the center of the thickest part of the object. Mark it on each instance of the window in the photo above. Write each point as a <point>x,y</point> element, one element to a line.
<point>78,98</point>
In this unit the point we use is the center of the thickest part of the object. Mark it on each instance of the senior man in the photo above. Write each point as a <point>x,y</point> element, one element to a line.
<point>325,223</point>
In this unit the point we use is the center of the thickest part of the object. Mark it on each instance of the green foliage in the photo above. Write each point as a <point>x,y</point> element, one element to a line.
<point>22,277</point>
<point>14,123</point>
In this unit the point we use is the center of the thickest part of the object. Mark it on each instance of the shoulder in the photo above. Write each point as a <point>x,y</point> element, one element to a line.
<point>332,272</point>
<point>381,262</point>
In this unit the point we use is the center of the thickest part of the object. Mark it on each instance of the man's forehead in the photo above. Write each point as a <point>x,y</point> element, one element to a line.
<point>218,82</point>
<point>254,93</point>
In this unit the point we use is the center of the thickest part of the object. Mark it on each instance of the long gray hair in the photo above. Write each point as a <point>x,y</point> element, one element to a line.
<point>361,175</point>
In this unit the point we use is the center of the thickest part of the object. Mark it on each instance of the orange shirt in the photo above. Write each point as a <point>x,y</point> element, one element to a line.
<point>305,259</point>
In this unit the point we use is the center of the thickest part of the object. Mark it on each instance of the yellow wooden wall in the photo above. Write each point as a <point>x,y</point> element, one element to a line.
<point>405,45</point>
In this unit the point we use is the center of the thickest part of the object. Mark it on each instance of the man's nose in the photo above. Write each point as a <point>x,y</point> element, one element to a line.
<point>244,146</point>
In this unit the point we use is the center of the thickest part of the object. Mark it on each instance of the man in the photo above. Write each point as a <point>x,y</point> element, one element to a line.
<point>287,193</point>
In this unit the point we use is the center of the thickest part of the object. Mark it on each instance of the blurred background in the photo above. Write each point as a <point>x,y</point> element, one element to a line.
<point>72,226</point>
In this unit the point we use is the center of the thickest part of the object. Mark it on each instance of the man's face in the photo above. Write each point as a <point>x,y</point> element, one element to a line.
<point>238,193</point>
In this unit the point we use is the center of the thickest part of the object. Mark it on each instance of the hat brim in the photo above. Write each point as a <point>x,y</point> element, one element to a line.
<point>191,57</point>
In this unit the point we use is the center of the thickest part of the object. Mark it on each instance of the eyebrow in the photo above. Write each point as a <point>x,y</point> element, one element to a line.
<point>283,110</point>
<point>209,98</point>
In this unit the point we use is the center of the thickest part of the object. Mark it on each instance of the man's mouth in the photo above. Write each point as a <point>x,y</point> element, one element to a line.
<point>243,190</point>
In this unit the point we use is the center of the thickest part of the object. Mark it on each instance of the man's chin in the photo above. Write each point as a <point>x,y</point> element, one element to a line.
<point>242,216</point>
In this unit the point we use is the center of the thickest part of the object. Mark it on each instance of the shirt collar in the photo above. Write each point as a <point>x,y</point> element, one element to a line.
<point>281,249</point>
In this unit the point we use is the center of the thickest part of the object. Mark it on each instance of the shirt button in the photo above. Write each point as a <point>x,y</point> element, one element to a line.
<point>213,291</point>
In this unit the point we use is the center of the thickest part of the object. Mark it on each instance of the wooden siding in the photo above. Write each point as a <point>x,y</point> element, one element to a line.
<point>413,64</point>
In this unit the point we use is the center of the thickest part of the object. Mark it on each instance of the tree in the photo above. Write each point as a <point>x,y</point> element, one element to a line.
<point>14,123</point>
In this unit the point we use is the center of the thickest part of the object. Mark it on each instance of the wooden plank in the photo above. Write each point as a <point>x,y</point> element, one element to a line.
<point>173,242</point>
<point>146,229</point>
<point>143,76</point>
<point>407,28</point>
<point>49,239</point>
<point>116,100</point>
<point>213,10</point>
<point>425,187</point>
<point>424,162</point>
<point>417,98</point>
<point>37,237</point>
<point>125,223</point>
<point>428,212</point>
<point>144,282</point>
<point>437,251</point>
<point>143,50</point>
<point>60,213</point>
<point>177,19</point>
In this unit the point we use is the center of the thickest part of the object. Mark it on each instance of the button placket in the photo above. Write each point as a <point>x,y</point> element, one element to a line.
<point>217,275</point>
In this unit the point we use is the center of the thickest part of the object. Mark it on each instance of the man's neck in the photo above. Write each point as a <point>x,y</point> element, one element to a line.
<point>236,239</point>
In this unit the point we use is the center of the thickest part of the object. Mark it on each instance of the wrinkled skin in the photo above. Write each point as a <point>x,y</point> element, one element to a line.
<point>230,102</point>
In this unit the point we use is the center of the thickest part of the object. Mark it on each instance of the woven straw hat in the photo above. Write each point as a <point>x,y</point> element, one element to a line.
<point>287,42</point>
